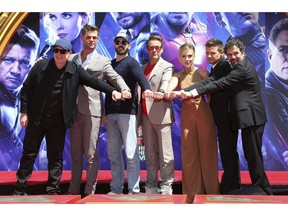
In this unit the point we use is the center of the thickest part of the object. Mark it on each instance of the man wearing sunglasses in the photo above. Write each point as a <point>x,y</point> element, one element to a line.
<point>48,99</point>
<point>157,117</point>
<point>84,132</point>
<point>121,119</point>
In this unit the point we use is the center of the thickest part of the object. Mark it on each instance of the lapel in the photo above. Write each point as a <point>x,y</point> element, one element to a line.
<point>94,60</point>
<point>156,68</point>
<point>214,69</point>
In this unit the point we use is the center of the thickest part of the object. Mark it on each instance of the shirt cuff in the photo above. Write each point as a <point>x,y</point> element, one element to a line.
<point>194,93</point>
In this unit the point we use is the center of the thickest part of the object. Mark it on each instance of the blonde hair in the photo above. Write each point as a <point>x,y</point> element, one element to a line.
<point>184,48</point>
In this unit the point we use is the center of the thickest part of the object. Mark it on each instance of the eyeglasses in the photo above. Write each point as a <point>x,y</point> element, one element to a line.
<point>118,42</point>
<point>151,48</point>
<point>91,37</point>
<point>62,51</point>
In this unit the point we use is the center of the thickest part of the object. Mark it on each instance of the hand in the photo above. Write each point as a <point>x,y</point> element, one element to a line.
<point>185,95</point>
<point>24,120</point>
<point>174,94</point>
<point>126,94</point>
<point>285,155</point>
<point>171,95</point>
<point>167,95</point>
<point>158,95</point>
<point>116,95</point>
<point>147,94</point>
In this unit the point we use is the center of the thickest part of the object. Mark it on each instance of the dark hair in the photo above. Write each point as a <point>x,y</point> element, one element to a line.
<point>88,28</point>
<point>154,37</point>
<point>281,25</point>
<point>25,37</point>
<point>234,42</point>
<point>215,43</point>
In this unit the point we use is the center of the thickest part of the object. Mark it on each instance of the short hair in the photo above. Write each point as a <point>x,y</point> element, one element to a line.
<point>154,37</point>
<point>89,28</point>
<point>234,42</point>
<point>185,47</point>
<point>215,43</point>
<point>25,37</point>
<point>281,25</point>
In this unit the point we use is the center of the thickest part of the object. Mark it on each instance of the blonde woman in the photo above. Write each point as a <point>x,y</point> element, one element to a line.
<point>198,132</point>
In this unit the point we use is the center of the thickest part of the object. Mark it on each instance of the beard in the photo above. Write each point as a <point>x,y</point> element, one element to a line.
<point>122,51</point>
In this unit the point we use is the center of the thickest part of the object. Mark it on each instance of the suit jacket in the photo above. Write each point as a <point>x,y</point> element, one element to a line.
<point>159,111</point>
<point>37,86</point>
<point>246,104</point>
<point>90,101</point>
<point>219,102</point>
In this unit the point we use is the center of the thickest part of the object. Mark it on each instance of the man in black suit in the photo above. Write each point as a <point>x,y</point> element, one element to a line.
<point>246,108</point>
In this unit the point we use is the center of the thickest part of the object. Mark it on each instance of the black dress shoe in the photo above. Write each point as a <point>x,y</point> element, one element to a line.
<point>52,193</point>
<point>17,193</point>
<point>85,195</point>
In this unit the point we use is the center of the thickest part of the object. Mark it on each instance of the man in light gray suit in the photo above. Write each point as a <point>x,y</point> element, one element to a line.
<point>157,117</point>
<point>84,132</point>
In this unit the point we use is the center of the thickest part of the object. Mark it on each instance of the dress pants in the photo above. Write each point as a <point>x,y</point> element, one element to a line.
<point>84,135</point>
<point>157,139</point>
<point>228,139</point>
<point>252,146</point>
<point>53,129</point>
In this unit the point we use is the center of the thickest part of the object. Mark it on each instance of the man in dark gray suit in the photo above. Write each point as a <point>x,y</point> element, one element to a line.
<point>246,108</point>
<point>84,132</point>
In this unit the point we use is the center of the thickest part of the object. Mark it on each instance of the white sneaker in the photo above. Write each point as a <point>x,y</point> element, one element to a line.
<point>166,190</point>
<point>112,193</point>
<point>154,190</point>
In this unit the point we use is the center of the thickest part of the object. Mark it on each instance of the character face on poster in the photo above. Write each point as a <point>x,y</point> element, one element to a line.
<point>16,60</point>
<point>68,25</point>
<point>276,91</point>
<point>177,29</point>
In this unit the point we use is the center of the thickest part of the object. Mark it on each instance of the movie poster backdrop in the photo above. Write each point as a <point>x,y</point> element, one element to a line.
<point>175,29</point>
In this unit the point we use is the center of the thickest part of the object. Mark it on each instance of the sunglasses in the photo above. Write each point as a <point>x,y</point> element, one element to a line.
<point>151,48</point>
<point>118,42</point>
<point>62,51</point>
<point>91,37</point>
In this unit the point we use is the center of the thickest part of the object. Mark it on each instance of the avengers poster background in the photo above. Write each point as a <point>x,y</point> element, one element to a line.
<point>175,28</point>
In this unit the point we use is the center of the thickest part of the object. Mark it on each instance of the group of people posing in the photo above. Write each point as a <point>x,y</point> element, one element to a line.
<point>65,92</point>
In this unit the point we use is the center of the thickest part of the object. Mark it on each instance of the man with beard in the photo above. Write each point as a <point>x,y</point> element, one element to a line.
<point>16,61</point>
<point>121,119</point>
<point>177,29</point>
<point>245,27</point>
<point>276,99</point>
<point>137,26</point>
<point>84,132</point>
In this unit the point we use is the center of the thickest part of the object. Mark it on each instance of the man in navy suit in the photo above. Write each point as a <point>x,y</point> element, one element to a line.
<point>246,108</point>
